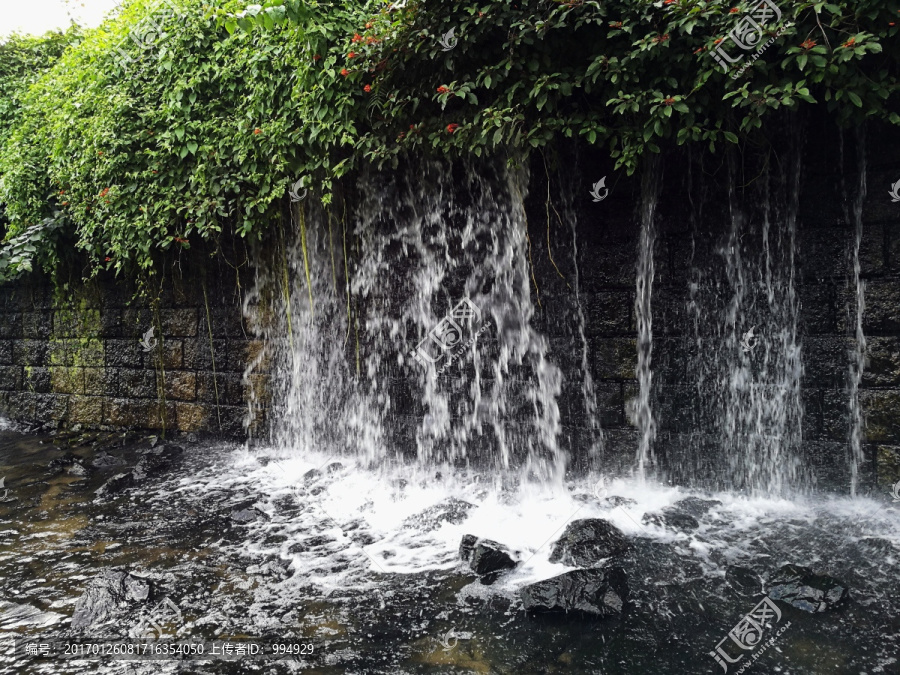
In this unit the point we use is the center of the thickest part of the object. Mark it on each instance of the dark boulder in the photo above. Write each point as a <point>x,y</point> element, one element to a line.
<point>311,475</point>
<point>105,594</point>
<point>487,558</point>
<point>799,587</point>
<point>695,506</point>
<point>597,592</point>
<point>104,459</point>
<point>673,519</point>
<point>450,510</point>
<point>156,460</point>
<point>586,542</point>
<point>117,483</point>
<point>743,581</point>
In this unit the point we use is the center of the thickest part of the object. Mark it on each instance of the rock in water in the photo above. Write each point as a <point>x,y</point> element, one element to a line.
<point>116,484</point>
<point>695,506</point>
<point>157,460</point>
<point>487,558</point>
<point>799,587</point>
<point>673,519</point>
<point>744,581</point>
<point>105,594</point>
<point>448,511</point>
<point>586,542</point>
<point>598,592</point>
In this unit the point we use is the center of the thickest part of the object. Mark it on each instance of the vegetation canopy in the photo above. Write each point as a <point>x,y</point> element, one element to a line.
<point>176,120</point>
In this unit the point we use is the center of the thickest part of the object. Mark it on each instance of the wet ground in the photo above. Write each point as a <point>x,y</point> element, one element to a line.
<point>362,569</point>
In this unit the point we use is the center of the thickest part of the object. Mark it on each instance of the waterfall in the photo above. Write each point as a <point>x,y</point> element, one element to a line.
<point>858,355</point>
<point>402,329</point>
<point>643,310</point>
<point>744,308</point>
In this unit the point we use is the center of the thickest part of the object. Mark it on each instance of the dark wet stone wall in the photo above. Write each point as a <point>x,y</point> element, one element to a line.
<point>76,357</point>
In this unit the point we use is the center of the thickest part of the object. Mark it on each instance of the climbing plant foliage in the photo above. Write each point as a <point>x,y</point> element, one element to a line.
<point>162,127</point>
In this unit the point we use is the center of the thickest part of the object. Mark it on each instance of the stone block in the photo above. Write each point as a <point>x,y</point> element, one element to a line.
<point>883,366</point>
<point>85,410</point>
<point>29,352</point>
<point>241,353</point>
<point>80,323</point>
<point>181,386</point>
<point>882,303</point>
<point>11,378</point>
<point>823,252</point>
<point>199,354</point>
<point>100,382</point>
<point>140,414</point>
<point>37,380</point>
<point>49,407</point>
<point>887,465</point>
<point>20,405</point>
<point>881,408</point>
<point>179,322</point>
<point>36,325</point>
<point>826,361</point>
<point>112,323</point>
<point>613,358</point>
<point>66,380</point>
<point>137,383</point>
<point>191,416</point>
<point>609,313</point>
<point>211,390</point>
<point>10,325</point>
<point>6,352</point>
<point>123,353</point>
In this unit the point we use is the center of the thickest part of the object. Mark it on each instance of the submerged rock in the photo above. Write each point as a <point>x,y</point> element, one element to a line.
<point>695,506</point>
<point>586,542</point>
<point>105,594</point>
<point>673,519</point>
<point>487,558</point>
<point>104,459</point>
<point>798,586</point>
<point>156,460</point>
<point>117,483</point>
<point>615,500</point>
<point>450,510</point>
<point>743,580</point>
<point>598,592</point>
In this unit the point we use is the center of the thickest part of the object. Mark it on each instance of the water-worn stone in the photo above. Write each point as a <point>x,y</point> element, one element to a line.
<point>105,594</point>
<point>743,581</point>
<point>451,510</point>
<point>156,460</point>
<point>597,592</point>
<point>487,558</point>
<point>673,519</point>
<point>695,506</point>
<point>799,587</point>
<point>117,483</point>
<point>586,542</point>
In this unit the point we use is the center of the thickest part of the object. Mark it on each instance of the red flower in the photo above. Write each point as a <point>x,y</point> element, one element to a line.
<point>180,240</point>
<point>356,38</point>
<point>615,24</point>
<point>669,101</point>
<point>850,42</point>
<point>65,203</point>
<point>317,57</point>
<point>718,41</point>
<point>371,39</point>
<point>669,2</point>
<point>442,89</point>
<point>257,131</point>
<point>401,136</point>
<point>808,44</point>
<point>452,127</point>
<point>100,153</point>
<point>62,192</point>
<point>156,172</point>
<point>702,49</point>
<point>104,192</point>
<point>412,126</point>
<point>733,10</point>
<point>368,25</point>
<point>351,55</point>
<point>345,72</point>
<point>367,88</point>
<point>107,259</point>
